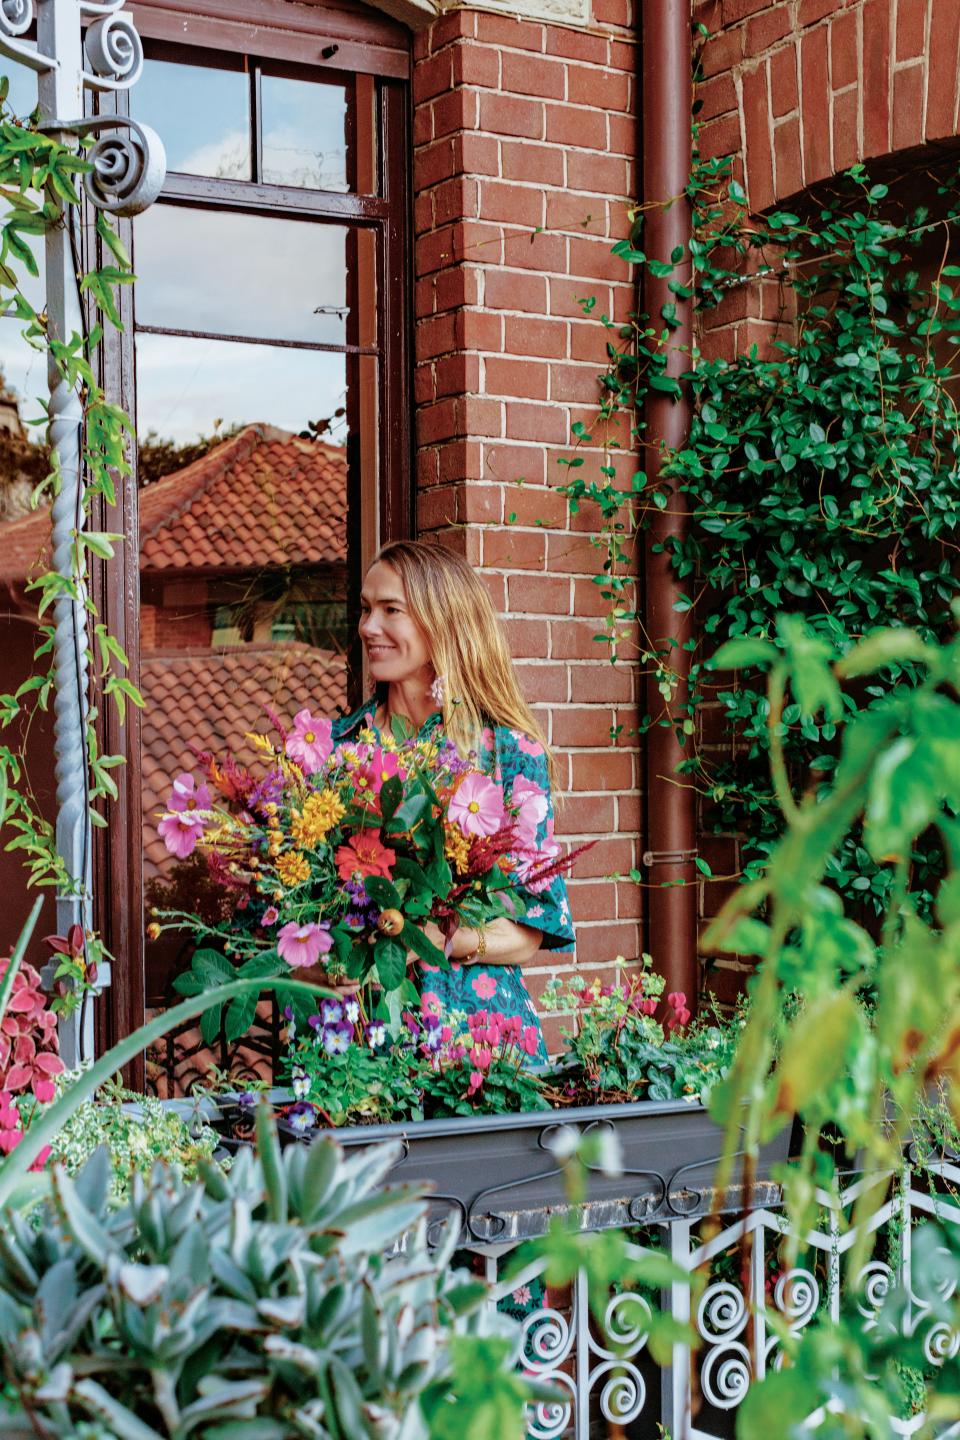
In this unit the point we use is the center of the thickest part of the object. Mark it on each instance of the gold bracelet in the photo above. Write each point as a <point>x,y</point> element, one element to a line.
<point>481,949</point>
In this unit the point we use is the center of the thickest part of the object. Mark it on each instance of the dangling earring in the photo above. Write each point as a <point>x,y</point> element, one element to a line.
<point>436,691</point>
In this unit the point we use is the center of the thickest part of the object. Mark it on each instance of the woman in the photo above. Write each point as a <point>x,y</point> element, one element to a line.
<point>439,659</point>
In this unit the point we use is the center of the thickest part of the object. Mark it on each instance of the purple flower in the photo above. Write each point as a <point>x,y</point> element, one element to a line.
<point>314,1022</point>
<point>433,1038</point>
<point>302,1116</point>
<point>247,1099</point>
<point>376,1034</point>
<point>332,1011</point>
<point>268,791</point>
<point>336,1038</point>
<point>300,1083</point>
<point>351,1011</point>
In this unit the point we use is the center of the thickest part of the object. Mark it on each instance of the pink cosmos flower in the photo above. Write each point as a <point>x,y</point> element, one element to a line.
<point>302,945</point>
<point>477,805</point>
<point>309,742</point>
<point>187,795</point>
<point>180,832</point>
<point>380,767</point>
<point>532,800</point>
<point>484,986</point>
<point>270,916</point>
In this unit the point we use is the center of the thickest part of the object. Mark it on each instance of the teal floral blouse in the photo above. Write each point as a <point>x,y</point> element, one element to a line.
<point>511,757</point>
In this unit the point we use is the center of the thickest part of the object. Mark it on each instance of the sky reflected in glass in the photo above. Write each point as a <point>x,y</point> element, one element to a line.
<point>304,134</point>
<point>201,114</point>
<point>241,274</point>
<point>192,388</point>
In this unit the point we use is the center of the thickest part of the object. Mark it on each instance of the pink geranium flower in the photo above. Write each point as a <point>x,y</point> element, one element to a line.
<point>187,795</point>
<point>302,945</point>
<point>477,805</point>
<point>309,742</point>
<point>180,832</point>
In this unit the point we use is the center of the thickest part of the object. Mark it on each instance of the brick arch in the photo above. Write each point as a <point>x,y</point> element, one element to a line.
<point>800,90</point>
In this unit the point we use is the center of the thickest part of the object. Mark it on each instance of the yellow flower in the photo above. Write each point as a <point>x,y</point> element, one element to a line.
<point>367,736</point>
<point>153,931</point>
<point>456,847</point>
<point>319,815</point>
<point>260,742</point>
<point>293,869</point>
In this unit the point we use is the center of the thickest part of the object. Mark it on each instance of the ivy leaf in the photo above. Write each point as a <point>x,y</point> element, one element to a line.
<point>746,651</point>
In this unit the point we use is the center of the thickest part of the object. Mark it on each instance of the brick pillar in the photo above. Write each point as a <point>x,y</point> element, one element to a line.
<point>524,163</point>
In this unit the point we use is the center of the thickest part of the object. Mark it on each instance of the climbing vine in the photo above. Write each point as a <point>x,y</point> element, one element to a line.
<point>820,473</point>
<point>39,190</point>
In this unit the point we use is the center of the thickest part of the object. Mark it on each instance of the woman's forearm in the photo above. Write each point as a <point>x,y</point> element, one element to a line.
<point>504,942</point>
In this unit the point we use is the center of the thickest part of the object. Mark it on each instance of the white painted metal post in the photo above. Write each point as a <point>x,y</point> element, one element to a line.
<point>128,169</point>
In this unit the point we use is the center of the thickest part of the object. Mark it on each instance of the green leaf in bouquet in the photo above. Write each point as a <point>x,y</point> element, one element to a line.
<point>391,796</point>
<point>382,892</point>
<point>416,806</point>
<point>401,729</point>
<point>209,968</point>
<point>407,869</point>
<point>414,939</point>
<point>391,962</point>
<point>440,876</point>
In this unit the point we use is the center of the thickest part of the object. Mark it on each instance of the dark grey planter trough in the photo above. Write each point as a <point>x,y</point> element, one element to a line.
<point>499,1174</point>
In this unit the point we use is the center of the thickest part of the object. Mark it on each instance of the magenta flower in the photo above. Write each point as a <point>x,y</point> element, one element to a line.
<point>309,742</point>
<point>302,945</point>
<point>270,916</point>
<point>180,832</point>
<point>187,795</point>
<point>477,805</point>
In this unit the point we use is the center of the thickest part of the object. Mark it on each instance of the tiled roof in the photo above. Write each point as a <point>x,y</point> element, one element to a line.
<point>212,698</point>
<point>263,498</point>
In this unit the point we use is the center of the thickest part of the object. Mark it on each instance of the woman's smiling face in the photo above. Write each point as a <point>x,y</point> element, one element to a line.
<point>397,649</point>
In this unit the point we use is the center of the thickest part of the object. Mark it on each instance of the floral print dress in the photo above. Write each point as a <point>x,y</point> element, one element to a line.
<point>520,765</point>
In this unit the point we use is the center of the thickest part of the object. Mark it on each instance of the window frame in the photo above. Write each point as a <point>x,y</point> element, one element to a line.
<point>368,44</point>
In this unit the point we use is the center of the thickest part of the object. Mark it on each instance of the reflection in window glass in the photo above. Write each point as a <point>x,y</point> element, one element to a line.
<point>304,128</point>
<point>190,390</point>
<point>241,274</point>
<point>243,576</point>
<point>201,115</point>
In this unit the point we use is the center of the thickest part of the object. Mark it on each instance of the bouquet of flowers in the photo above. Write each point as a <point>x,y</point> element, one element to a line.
<point>337,855</point>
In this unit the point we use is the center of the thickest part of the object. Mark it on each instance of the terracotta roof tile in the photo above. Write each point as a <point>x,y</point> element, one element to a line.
<point>263,498</point>
<point>212,698</point>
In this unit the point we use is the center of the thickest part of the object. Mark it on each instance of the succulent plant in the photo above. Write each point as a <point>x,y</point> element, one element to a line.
<point>289,1297</point>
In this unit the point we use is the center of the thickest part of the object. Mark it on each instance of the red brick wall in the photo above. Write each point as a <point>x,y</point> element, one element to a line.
<point>525,158</point>
<point>801,89</point>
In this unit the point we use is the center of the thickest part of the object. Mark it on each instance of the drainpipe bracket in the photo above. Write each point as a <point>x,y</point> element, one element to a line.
<point>667,857</point>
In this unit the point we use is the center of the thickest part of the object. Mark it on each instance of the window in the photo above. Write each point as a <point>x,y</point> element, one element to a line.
<point>264,361</point>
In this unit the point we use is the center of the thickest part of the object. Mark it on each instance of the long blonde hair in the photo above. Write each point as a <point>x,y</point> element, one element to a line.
<point>468,646</point>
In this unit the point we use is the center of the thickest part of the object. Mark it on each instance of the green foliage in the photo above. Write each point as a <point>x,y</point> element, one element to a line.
<point>137,1131</point>
<point>860,1088</point>
<point>270,1302</point>
<point>820,476</point>
<point>39,191</point>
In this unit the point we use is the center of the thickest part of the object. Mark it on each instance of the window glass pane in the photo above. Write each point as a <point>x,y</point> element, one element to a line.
<point>243,580</point>
<point>22,95</point>
<point>201,114</point>
<point>228,274</point>
<point>304,129</point>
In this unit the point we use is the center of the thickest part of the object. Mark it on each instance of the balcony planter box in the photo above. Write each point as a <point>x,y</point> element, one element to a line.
<point>498,1174</point>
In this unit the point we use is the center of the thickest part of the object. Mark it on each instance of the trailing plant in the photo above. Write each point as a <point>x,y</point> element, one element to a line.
<point>39,191</point>
<point>820,472</point>
<point>272,1301</point>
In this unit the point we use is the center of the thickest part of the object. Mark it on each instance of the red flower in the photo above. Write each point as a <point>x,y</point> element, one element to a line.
<point>363,856</point>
